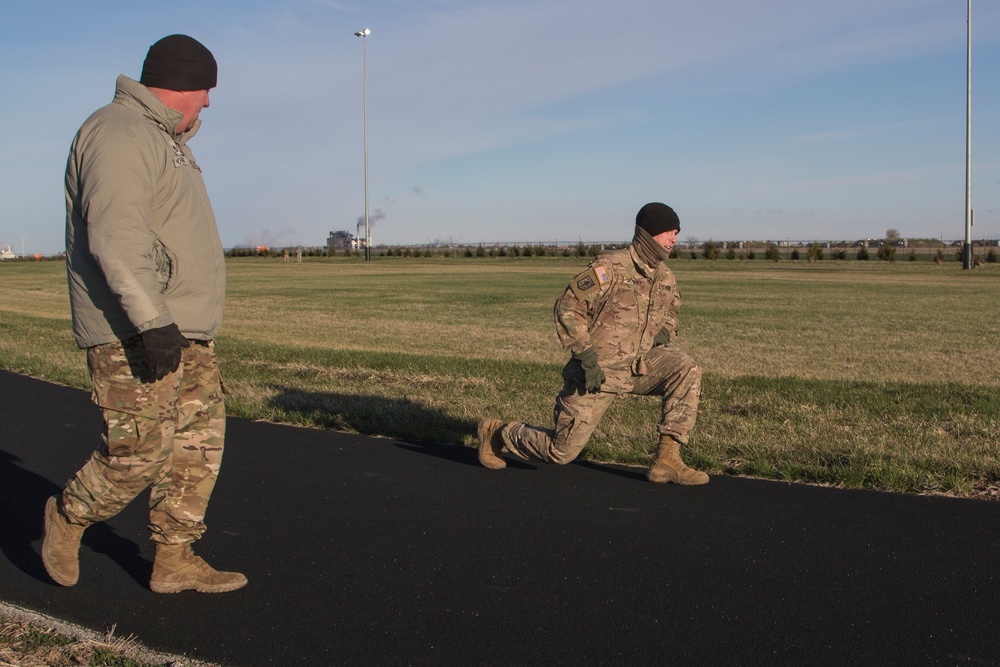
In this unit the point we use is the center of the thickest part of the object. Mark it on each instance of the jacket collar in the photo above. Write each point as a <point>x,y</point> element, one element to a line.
<point>132,94</point>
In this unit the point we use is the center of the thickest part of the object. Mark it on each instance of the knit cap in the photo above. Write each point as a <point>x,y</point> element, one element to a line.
<point>179,62</point>
<point>657,218</point>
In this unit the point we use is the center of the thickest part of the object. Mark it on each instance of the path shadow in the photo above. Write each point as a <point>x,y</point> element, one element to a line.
<point>469,456</point>
<point>388,417</point>
<point>621,471</point>
<point>373,415</point>
<point>23,494</point>
<point>453,453</point>
<point>458,454</point>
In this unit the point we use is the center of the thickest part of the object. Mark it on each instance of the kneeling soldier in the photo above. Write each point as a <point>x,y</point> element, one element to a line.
<point>618,319</point>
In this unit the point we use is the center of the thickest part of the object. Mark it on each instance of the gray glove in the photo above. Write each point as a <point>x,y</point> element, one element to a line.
<point>163,349</point>
<point>593,375</point>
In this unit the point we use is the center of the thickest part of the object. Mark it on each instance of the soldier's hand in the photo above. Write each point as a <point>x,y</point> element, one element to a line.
<point>593,375</point>
<point>662,338</point>
<point>163,349</point>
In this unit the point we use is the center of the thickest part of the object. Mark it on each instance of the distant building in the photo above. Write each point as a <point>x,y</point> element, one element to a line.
<point>341,241</point>
<point>7,254</point>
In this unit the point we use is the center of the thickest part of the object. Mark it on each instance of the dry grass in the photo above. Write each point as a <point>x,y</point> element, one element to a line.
<point>852,321</point>
<point>28,639</point>
<point>862,374</point>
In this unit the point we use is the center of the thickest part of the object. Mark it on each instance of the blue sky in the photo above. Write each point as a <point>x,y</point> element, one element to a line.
<point>534,120</point>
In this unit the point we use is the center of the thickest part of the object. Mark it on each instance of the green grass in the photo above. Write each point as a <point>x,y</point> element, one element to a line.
<point>856,374</point>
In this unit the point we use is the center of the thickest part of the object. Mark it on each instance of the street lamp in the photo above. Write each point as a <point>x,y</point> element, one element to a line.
<point>363,34</point>
<point>967,261</point>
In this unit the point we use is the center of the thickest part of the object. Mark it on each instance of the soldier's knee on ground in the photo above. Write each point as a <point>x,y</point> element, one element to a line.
<point>563,455</point>
<point>562,459</point>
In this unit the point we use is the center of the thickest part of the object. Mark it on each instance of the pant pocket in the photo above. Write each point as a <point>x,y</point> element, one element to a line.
<point>131,397</point>
<point>130,412</point>
<point>122,433</point>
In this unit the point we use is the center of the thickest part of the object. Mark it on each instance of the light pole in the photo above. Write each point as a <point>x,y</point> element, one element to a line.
<point>23,239</point>
<point>363,34</point>
<point>967,262</point>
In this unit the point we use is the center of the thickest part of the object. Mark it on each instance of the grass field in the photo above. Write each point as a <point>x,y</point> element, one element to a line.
<point>859,374</point>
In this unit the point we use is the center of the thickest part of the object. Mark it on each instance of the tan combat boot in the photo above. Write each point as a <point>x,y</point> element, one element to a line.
<point>668,466</point>
<point>491,444</point>
<point>61,545</point>
<point>177,569</point>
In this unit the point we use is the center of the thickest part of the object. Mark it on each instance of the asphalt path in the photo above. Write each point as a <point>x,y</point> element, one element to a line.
<point>364,551</point>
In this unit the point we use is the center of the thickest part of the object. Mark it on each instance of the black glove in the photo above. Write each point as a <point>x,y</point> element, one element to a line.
<point>593,375</point>
<point>163,349</point>
<point>662,338</point>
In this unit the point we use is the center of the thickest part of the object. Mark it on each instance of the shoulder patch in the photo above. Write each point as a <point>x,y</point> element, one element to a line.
<point>602,274</point>
<point>589,283</point>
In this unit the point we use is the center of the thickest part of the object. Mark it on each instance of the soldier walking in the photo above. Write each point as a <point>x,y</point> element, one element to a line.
<point>618,319</point>
<point>146,283</point>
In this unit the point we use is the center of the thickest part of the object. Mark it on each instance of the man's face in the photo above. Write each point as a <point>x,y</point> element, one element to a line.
<point>667,239</point>
<point>190,103</point>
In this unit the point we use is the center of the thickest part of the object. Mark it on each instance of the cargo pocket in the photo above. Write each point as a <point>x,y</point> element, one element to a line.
<point>571,433</point>
<point>566,423</point>
<point>130,413</point>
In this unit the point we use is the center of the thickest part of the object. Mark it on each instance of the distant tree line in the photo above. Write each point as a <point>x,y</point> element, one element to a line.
<point>884,250</point>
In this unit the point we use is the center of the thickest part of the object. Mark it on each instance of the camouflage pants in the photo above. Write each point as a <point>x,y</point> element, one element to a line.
<point>166,435</point>
<point>669,373</point>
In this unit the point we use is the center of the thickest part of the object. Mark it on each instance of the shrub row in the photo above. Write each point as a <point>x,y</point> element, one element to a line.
<point>709,250</point>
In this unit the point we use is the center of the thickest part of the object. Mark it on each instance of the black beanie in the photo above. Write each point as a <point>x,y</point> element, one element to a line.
<point>179,62</point>
<point>657,218</point>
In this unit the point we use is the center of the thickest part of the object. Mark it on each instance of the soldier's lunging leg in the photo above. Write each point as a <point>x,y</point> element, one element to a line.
<point>675,376</point>
<point>576,416</point>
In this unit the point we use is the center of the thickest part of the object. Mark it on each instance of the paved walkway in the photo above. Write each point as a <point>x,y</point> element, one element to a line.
<point>368,551</point>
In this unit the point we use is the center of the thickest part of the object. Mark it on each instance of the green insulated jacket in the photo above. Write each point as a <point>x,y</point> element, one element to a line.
<point>142,246</point>
<point>617,306</point>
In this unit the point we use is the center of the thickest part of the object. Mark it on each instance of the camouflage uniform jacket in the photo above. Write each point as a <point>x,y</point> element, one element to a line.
<point>142,246</point>
<point>617,306</point>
